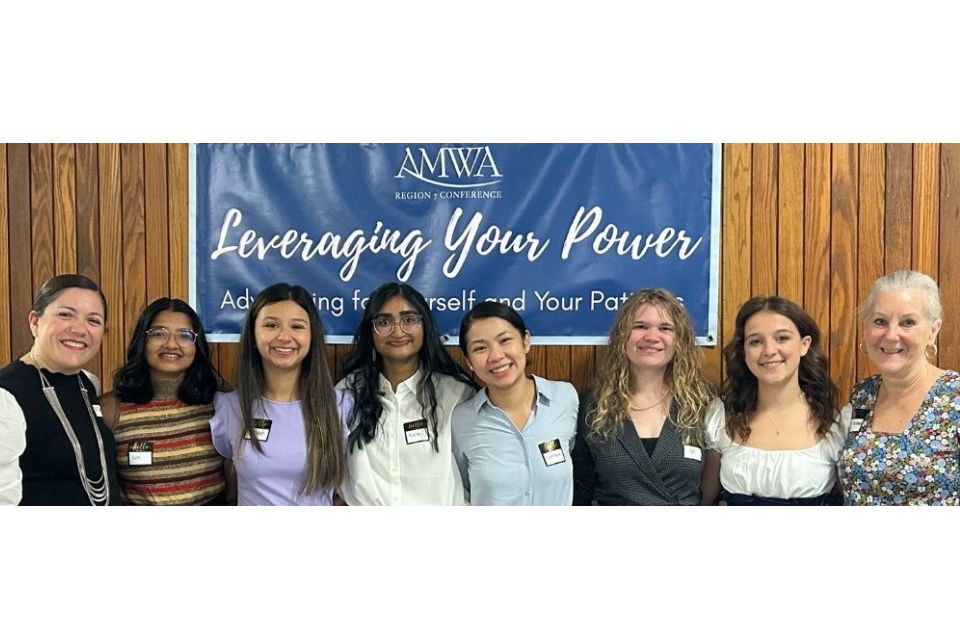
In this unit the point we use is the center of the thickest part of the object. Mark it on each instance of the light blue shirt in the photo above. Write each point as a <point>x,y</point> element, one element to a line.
<point>503,465</point>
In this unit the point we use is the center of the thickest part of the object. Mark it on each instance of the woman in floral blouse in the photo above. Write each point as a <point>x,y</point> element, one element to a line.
<point>903,446</point>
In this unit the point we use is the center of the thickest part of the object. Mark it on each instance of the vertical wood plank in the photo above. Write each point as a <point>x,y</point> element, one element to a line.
<point>134,241</point>
<point>558,363</point>
<point>582,367</point>
<point>870,233</point>
<point>156,233</point>
<point>949,340</point>
<point>228,355</point>
<point>843,264</point>
<point>763,216</point>
<point>926,209</point>
<point>20,260</point>
<point>816,238</point>
<point>537,361</point>
<point>41,213</point>
<point>790,208</point>
<point>736,236</point>
<point>88,212</point>
<point>178,209</point>
<point>5,347</point>
<point>65,208</point>
<point>111,259</point>
<point>898,211</point>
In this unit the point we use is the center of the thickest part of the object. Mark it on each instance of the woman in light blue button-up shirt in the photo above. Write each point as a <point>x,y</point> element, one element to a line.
<point>513,440</point>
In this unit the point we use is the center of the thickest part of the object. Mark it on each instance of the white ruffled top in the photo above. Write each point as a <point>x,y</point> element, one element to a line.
<point>796,473</point>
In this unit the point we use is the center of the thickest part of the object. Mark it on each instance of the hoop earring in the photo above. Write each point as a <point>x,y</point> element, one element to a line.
<point>931,347</point>
<point>861,347</point>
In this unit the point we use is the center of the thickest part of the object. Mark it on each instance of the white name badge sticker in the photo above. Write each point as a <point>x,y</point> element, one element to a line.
<point>97,411</point>
<point>416,431</point>
<point>261,430</point>
<point>140,454</point>
<point>693,453</point>
<point>552,452</point>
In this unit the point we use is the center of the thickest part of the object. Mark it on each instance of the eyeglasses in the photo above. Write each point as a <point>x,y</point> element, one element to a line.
<point>159,335</point>
<point>383,325</point>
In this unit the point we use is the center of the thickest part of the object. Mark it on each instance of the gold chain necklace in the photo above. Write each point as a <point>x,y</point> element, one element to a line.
<point>633,408</point>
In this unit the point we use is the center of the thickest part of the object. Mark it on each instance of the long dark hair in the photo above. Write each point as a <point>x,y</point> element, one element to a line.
<point>132,382</point>
<point>325,457</point>
<point>366,367</point>
<point>740,387</point>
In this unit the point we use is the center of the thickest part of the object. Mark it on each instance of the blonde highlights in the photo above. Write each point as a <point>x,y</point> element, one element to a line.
<point>684,377</point>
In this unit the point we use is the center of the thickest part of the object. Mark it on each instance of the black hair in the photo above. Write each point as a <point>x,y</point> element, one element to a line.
<point>490,309</point>
<point>52,288</point>
<point>132,382</point>
<point>365,367</point>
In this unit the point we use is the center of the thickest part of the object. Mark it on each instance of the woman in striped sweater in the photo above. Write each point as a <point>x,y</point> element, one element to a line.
<point>160,410</point>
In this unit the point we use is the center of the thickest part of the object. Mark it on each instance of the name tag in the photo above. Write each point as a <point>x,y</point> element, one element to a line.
<point>859,415</point>
<point>97,411</point>
<point>416,431</point>
<point>140,454</point>
<point>261,429</point>
<point>551,452</point>
<point>693,453</point>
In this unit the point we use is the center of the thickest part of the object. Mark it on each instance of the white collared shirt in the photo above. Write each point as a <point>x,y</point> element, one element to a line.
<point>387,470</point>
<point>13,442</point>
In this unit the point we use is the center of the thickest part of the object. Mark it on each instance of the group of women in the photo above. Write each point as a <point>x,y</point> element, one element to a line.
<point>407,425</point>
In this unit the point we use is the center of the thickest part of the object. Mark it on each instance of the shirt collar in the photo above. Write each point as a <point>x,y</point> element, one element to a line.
<point>411,383</point>
<point>543,394</point>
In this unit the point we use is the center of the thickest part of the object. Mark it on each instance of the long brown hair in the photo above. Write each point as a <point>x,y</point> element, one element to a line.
<point>325,455</point>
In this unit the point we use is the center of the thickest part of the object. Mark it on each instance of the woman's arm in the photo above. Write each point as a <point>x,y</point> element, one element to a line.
<point>13,442</point>
<point>710,484</point>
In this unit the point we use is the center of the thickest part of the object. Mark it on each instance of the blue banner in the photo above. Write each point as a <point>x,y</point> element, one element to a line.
<point>562,232</point>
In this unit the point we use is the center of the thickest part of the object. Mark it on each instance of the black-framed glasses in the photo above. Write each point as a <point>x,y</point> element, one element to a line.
<point>159,335</point>
<point>383,325</point>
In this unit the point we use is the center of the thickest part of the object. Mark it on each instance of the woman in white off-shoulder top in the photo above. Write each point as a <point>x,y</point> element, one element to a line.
<point>777,428</point>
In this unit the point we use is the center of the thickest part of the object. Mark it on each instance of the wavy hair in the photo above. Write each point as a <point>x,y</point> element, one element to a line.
<point>684,376</point>
<point>740,387</point>
<point>362,367</point>
<point>325,456</point>
<point>132,382</point>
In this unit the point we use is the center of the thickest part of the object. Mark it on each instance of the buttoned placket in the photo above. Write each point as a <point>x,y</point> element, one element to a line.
<point>523,439</point>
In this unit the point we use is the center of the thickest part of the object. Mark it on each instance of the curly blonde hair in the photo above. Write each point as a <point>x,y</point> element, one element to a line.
<point>684,375</point>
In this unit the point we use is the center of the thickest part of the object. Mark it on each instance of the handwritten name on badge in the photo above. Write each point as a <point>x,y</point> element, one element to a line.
<point>692,453</point>
<point>552,452</point>
<point>416,431</point>
<point>261,430</point>
<point>859,415</point>
<point>140,454</point>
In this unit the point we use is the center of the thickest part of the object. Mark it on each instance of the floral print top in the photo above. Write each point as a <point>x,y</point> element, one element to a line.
<point>920,465</point>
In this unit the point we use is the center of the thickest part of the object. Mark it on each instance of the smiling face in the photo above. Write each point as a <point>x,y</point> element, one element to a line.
<point>400,344</point>
<point>772,348</point>
<point>650,342</point>
<point>497,353</point>
<point>69,331</point>
<point>897,331</point>
<point>282,334</point>
<point>172,353</point>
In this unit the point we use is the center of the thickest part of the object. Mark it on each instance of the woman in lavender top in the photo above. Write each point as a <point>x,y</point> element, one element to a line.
<point>283,426</point>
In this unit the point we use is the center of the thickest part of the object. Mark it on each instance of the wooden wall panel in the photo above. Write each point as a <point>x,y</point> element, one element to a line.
<point>65,208</point>
<point>843,263</point>
<point>816,223</point>
<point>41,213</point>
<point>870,232</point>
<point>949,341</point>
<point>18,245</point>
<point>790,215</point>
<point>5,354</point>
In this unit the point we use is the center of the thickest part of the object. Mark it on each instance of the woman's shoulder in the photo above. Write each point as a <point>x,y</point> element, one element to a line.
<point>865,390</point>
<point>715,423</point>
